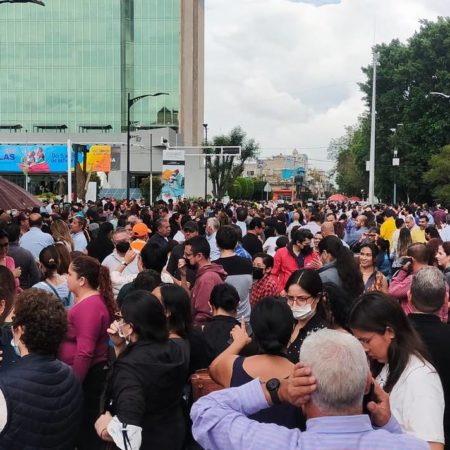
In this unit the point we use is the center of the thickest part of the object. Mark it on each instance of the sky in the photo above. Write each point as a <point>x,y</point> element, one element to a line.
<point>286,71</point>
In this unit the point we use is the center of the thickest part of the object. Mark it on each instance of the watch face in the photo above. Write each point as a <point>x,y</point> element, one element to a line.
<point>273,384</point>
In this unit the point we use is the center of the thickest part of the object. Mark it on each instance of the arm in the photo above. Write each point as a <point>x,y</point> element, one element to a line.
<point>276,268</point>
<point>400,284</point>
<point>33,270</point>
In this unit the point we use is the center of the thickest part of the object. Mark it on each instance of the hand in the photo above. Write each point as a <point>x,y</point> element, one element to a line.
<point>380,411</point>
<point>129,256</point>
<point>297,389</point>
<point>102,422</point>
<point>182,266</point>
<point>407,267</point>
<point>239,335</point>
<point>113,332</point>
<point>17,272</point>
<point>315,263</point>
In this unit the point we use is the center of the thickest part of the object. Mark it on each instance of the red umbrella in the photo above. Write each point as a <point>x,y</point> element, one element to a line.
<point>14,197</point>
<point>337,198</point>
<point>354,199</point>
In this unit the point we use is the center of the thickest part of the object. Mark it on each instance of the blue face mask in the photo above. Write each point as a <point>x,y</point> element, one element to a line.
<point>15,347</point>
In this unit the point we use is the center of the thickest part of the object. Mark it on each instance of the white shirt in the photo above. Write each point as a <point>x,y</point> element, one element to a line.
<point>311,226</point>
<point>445,233</point>
<point>215,252</point>
<point>270,246</point>
<point>417,400</point>
<point>79,241</point>
<point>114,260</point>
<point>179,237</point>
<point>35,240</point>
<point>243,227</point>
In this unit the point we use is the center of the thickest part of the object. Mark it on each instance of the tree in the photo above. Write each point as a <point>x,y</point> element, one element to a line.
<point>438,175</point>
<point>235,190</point>
<point>145,189</point>
<point>224,170</point>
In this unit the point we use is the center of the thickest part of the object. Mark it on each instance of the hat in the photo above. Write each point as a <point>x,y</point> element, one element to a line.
<point>138,245</point>
<point>140,230</point>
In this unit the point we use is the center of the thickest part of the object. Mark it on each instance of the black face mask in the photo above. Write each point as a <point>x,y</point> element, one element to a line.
<point>307,250</point>
<point>122,246</point>
<point>258,273</point>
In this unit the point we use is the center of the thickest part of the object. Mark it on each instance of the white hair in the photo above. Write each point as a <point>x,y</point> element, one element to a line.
<point>338,362</point>
<point>213,223</point>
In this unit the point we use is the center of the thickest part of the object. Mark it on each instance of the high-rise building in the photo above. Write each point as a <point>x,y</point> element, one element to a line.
<point>66,70</point>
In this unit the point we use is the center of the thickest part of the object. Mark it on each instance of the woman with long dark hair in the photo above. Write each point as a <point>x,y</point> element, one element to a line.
<point>305,297</point>
<point>399,362</point>
<point>443,259</point>
<point>373,279</point>
<point>85,348</point>
<point>102,246</point>
<point>339,266</point>
<point>144,394</point>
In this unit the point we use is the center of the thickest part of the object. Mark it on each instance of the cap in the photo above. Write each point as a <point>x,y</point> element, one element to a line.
<point>138,245</point>
<point>140,230</point>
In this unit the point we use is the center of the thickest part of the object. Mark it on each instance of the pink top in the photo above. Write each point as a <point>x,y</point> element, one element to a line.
<point>86,343</point>
<point>11,265</point>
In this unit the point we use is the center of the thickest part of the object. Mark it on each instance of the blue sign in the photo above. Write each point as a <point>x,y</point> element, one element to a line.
<point>33,158</point>
<point>286,174</point>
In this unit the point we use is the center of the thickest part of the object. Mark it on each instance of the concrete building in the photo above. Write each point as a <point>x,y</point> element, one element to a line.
<point>66,70</point>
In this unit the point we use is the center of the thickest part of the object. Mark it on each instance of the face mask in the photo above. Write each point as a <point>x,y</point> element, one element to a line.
<point>122,246</point>
<point>15,347</point>
<point>258,273</point>
<point>307,250</point>
<point>302,312</point>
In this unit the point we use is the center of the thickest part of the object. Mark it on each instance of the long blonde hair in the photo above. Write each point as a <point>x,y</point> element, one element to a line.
<point>60,232</point>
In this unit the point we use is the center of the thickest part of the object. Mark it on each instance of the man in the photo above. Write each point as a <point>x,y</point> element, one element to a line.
<point>196,253</point>
<point>295,223</point>
<point>161,237</point>
<point>444,232</point>
<point>35,239</point>
<point>417,235</point>
<point>121,241</point>
<point>388,227</point>
<point>327,229</point>
<point>139,236</point>
<point>423,222</point>
<point>313,225</point>
<point>427,296</point>
<point>331,399</point>
<point>239,269</point>
<point>212,226</point>
<point>252,241</point>
<point>241,216</point>
<point>23,258</point>
<point>239,250</point>
<point>356,235</point>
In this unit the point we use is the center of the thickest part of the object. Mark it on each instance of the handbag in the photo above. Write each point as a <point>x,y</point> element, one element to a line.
<point>203,384</point>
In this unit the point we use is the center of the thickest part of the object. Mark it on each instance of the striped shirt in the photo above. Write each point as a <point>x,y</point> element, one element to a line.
<point>220,423</point>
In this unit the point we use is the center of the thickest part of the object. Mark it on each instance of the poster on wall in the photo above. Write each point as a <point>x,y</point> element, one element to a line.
<point>172,175</point>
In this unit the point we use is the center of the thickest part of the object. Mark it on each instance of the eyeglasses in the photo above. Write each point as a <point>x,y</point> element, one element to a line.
<point>188,255</point>
<point>366,341</point>
<point>299,300</point>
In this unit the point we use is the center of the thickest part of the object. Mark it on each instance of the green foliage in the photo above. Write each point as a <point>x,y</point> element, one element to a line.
<point>235,191</point>
<point>250,188</point>
<point>438,176</point>
<point>145,188</point>
<point>223,171</point>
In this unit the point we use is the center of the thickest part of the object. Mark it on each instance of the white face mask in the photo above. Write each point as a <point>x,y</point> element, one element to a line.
<point>302,312</point>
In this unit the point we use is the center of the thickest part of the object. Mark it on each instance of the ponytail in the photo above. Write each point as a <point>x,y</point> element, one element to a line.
<point>105,288</point>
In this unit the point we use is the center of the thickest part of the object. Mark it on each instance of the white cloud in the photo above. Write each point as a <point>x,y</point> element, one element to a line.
<point>287,72</point>
<point>317,2</point>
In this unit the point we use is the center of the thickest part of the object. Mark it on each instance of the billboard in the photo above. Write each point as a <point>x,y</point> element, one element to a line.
<point>99,158</point>
<point>172,175</point>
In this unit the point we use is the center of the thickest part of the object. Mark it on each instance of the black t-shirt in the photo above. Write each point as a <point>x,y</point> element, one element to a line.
<point>252,244</point>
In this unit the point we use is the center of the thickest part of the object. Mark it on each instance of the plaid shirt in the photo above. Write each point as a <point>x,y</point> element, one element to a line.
<point>265,287</point>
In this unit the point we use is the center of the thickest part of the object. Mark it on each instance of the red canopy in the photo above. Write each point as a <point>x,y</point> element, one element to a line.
<point>354,199</point>
<point>13,196</point>
<point>337,198</point>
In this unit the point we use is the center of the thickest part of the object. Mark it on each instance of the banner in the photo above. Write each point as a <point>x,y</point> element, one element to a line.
<point>99,158</point>
<point>172,175</point>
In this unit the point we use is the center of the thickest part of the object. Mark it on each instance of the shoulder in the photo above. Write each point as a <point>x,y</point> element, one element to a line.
<point>419,371</point>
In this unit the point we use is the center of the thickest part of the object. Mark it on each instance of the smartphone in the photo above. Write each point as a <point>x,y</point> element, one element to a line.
<point>369,397</point>
<point>404,260</point>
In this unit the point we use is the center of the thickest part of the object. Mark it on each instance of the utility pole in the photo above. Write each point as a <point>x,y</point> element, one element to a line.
<point>371,198</point>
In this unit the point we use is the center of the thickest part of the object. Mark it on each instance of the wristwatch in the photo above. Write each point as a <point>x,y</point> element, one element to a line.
<point>272,386</point>
<point>123,263</point>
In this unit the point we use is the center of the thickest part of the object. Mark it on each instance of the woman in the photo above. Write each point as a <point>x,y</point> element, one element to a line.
<point>443,259</point>
<point>102,245</point>
<point>317,238</point>
<point>61,234</point>
<point>85,348</point>
<point>7,298</point>
<point>144,404</point>
<point>305,297</point>
<point>339,304</point>
<point>404,241</point>
<point>271,321</point>
<point>433,247</point>
<point>43,396</point>
<point>263,284</point>
<point>339,266</point>
<point>53,282</point>
<point>6,260</point>
<point>373,279</point>
<point>79,234</point>
<point>398,360</point>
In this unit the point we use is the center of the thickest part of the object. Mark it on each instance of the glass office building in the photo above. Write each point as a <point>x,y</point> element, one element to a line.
<point>68,66</point>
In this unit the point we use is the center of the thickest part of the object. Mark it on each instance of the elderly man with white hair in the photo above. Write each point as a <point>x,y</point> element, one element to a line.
<point>329,385</point>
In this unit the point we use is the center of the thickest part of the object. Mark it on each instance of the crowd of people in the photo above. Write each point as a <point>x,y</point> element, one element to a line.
<point>310,326</point>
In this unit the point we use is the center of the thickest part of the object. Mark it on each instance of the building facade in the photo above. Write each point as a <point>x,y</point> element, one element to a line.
<point>67,69</point>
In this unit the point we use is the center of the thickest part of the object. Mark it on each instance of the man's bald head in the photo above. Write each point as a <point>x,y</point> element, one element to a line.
<point>327,229</point>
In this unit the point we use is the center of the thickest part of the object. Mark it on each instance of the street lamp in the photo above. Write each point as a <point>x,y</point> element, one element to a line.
<point>395,161</point>
<point>130,103</point>
<point>205,126</point>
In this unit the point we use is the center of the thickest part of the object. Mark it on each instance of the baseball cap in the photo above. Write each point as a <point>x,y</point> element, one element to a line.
<point>140,230</point>
<point>138,245</point>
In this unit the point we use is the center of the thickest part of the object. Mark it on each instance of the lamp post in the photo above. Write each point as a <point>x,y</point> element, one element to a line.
<point>395,161</point>
<point>130,103</point>
<point>205,126</point>
<point>151,168</point>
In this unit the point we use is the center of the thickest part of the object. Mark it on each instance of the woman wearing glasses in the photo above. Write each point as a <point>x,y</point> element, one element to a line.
<point>305,297</point>
<point>398,360</point>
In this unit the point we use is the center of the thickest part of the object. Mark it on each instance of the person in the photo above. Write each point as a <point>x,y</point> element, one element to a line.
<point>252,239</point>
<point>208,275</point>
<point>270,245</point>
<point>85,347</point>
<point>263,284</point>
<point>295,223</point>
<point>61,234</point>
<point>79,234</point>
<point>358,232</point>
<point>22,258</point>
<point>102,246</point>
<point>147,280</point>
<point>339,266</point>
<point>271,322</point>
<point>404,241</point>
<point>313,225</point>
<point>338,304</point>
<point>143,400</point>
<point>140,236</point>
<point>40,397</point>
<point>417,234</point>
<point>305,297</point>
<point>52,281</point>
<point>399,362</point>
<point>35,239</point>
<point>297,255</point>
<point>334,410</point>
<point>427,296</point>
<point>7,300</point>
<point>161,237</point>
<point>388,227</point>
<point>6,260</point>
<point>239,250</point>
<point>443,260</point>
<point>212,226</point>
<point>241,217</point>
<point>373,279</point>
<point>239,270</point>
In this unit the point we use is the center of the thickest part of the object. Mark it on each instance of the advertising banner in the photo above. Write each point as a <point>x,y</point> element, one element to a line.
<point>99,158</point>
<point>172,175</point>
